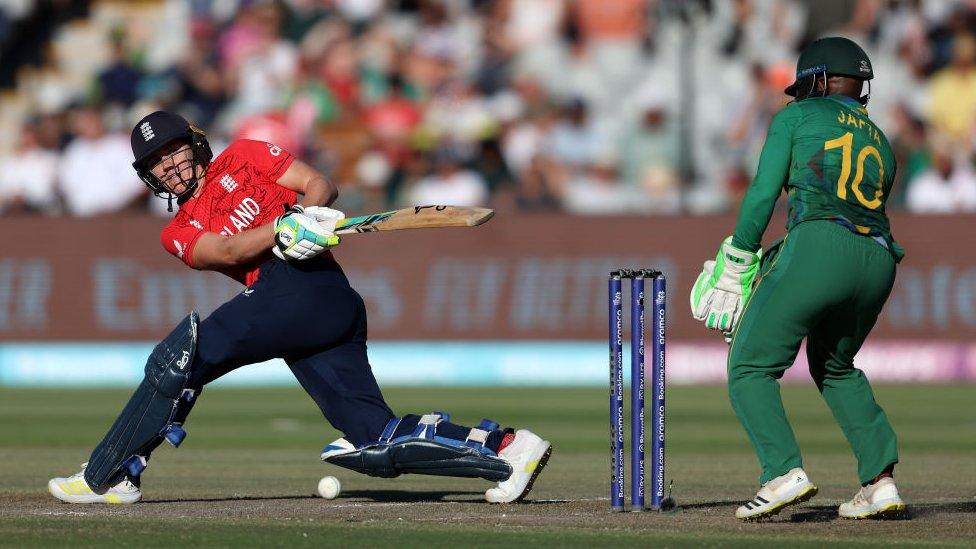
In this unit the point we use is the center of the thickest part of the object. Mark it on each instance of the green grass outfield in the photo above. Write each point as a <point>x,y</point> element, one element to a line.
<point>247,473</point>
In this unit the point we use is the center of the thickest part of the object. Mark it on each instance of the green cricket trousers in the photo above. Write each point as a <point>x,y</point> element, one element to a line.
<point>828,285</point>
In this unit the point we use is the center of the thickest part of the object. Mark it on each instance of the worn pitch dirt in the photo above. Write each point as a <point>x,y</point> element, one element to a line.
<point>248,472</point>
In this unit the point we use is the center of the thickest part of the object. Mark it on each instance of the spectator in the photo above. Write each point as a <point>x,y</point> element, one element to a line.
<point>338,70</point>
<point>311,102</point>
<point>390,80</point>
<point>449,184</point>
<point>325,68</point>
<point>955,20</point>
<point>119,82</point>
<point>622,21</point>
<point>437,37</point>
<point>763,31</point>
<point>746,130</point>
<point>523,142</point>
<point>359,11</point>
<point>662,192</point>
<point>539,189</point>
<point>437,48</point>
<point>392,122</point>
<point>301,16</point>
<point>530,23</point>
<point>196,81</point>
<point>905,85</point>
<point>490,163</point>
<point>394,117</point>
<point>459,114</point>
<point>368,193</point>
<point>596,190</point>
<point>260,64</point>
<point>380,61</point>
<point>948,186</point>
<point>911,154</point>
<point>271,127</point>
<point>612,33</point>
<point>95,174</point>
<point>651,144</point>
<point>493,74</point>
<point>575,140</point>
<point>28,176</point>
<point>952,95</point>
<point>532,31</point>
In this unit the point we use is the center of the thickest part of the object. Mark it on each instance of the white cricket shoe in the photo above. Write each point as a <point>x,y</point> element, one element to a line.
<point>878,500</point>
<point>75,489</point>
<point>337,448</point>
<point>789,489</point>
<point>527,455</point>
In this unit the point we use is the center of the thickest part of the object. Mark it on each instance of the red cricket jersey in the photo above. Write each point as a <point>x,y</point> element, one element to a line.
<point>239,193</point>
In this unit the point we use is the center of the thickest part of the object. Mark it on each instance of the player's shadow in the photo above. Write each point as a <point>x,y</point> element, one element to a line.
<point>814,513</point>
<point>371,496</point>
<point>827,513</point>
<point>224,499</point>
<point>709,504</point>
<point>412,496</point>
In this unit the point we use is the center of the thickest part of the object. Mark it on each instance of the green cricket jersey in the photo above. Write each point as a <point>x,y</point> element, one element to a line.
<point>834,164</point>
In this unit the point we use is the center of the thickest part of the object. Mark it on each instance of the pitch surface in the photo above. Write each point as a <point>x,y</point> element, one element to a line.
<point>247,474</point>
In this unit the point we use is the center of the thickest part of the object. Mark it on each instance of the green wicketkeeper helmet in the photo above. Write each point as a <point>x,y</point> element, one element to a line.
<point>833,55</point>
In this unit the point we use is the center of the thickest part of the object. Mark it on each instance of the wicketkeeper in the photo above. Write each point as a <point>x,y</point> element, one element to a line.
<point>826,281</point>
<point>240,214</point>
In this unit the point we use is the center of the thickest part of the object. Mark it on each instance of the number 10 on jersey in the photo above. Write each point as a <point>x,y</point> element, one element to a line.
<point>846,144</point>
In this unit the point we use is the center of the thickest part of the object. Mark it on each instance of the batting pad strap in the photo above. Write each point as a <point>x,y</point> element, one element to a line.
<point>488,425</point>
<point>424,457</point>
<point>477,435</point>
<point>148,417</point>
<point>390,429</point>
<point>427,425</point>
<point>427,428</point>
<point>476,438</point>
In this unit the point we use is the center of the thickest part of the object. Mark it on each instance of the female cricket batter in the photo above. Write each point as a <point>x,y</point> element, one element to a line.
<point>826,281</point>
<point>239,214</point>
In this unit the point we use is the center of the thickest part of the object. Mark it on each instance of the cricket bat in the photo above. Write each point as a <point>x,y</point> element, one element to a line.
<point>418,217</point>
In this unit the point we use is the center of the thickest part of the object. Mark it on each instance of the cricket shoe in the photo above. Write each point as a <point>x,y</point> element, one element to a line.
<point>789,489</point>
<point>75,489</point>
<point>337,448</point>
<point>528,455</point>
<point>878,500</point>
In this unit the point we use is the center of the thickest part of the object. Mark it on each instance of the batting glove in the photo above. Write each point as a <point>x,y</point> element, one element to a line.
<point>299,236</point>
<point>325,216</point>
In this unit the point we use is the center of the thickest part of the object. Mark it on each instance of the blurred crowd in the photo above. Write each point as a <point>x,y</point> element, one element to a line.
<point>648,107</point>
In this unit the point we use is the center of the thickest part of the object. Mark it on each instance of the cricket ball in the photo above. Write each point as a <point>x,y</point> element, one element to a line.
<point>329,487</point>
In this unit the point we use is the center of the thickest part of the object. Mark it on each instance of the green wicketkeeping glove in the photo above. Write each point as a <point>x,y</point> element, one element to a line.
<point>724,286</point>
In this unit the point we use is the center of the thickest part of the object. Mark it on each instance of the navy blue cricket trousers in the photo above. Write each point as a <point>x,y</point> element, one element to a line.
<point>307,314</point>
